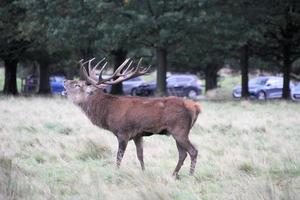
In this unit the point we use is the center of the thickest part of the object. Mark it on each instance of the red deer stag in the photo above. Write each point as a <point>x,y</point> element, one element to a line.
<point>134,117</point>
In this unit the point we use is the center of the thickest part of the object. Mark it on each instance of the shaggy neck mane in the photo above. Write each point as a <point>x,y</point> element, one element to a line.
<point>97,108</point>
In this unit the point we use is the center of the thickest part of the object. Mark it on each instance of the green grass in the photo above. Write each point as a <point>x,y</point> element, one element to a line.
<point>226,84</point>
<point>1,78</point>
<point>247,150</point>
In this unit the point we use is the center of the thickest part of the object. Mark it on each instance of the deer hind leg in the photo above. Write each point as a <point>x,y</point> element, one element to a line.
<point>185,143</point>
<point>139,150</point>
<point>121,150</point>
<point>182,155</point>
<point>193,152</point>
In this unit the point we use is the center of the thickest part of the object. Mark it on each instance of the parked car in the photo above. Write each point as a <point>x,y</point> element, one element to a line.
<point>31,83</point>
<point>129,86</point>
<point>295,93</point>
<point>264,87</point>
<point>177,85</point>
<point>56,84</point>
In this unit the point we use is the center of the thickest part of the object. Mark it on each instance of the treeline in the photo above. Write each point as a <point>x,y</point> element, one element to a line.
<point>176,35</point>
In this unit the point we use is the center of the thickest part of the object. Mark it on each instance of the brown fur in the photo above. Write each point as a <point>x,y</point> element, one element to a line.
<point>134,117</point>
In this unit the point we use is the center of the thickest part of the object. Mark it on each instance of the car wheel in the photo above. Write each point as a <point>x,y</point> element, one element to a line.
<point>261,95</point>
<point>191,93</point>
<point>133,92</point>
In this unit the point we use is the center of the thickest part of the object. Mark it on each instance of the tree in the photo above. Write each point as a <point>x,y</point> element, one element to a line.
<point>237,22</point>
<point>278,23</point>
<point>14,40</point>
<point>244,60</point>
<point>115,30</point>
<point>51,42</point>
<point>212,38</point>
<point>162,26</point>
<point>102,27</point>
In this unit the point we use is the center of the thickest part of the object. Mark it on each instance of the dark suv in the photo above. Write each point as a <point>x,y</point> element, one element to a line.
<point>182,85</point>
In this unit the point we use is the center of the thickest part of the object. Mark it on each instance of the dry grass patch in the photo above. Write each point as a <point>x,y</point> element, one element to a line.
<point>247,150</point>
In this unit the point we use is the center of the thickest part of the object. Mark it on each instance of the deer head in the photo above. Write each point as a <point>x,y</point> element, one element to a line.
<point>78,91</point>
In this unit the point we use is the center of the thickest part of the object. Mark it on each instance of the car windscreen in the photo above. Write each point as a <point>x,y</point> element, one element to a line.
<point>59,79</point>
<point>179,79</point>
<point>135,79</point>
<point>258,81</point>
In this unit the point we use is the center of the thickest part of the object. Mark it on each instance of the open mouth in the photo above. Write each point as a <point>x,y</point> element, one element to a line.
<point>64,93</point>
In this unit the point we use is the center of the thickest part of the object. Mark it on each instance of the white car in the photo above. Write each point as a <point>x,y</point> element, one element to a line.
<point>263,87</point>
<point>295,93</point>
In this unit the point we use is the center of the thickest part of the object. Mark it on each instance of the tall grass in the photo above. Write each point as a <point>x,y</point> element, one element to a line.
<point>247,150</point>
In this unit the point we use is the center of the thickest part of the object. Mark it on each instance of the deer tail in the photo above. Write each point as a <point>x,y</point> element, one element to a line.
<point>194,109</point>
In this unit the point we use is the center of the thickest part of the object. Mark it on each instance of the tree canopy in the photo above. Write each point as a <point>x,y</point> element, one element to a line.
<point>190,35</point>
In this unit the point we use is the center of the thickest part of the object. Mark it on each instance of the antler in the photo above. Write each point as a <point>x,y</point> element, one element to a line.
<point>118,76</point>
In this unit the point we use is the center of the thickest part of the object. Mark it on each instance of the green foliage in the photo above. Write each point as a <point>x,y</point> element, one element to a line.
<point>197,36</point>
<point>15,35</point>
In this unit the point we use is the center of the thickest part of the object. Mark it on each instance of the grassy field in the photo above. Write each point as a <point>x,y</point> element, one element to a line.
<point>247,150</point>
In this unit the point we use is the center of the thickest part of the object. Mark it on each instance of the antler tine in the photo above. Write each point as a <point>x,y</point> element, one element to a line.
<point>82,66</point>
<point>115,74</point>
<point>83,63</point>
<point>101,71</point>
<point>126,69</point>
<point>95,67</point>
<point>134,72</point>
<point>90,61</point>
<point>139,71</point>
<point>85,73</point>
<point>88,78</point>
<point>140,61</point>
<point>145,71</point>
<point>120,73</point>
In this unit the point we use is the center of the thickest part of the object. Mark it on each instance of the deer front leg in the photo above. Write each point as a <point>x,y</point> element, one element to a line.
<point>139,150</point>
<point>121,150</point>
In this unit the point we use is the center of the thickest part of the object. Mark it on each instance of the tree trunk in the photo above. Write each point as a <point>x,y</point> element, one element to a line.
<point>161,55</point>
<point>211,76</point>
<point>286,71</point>
<point>119,57</point>
<point>44,87</point>
<point>244,70</point>
<point>10,82</point>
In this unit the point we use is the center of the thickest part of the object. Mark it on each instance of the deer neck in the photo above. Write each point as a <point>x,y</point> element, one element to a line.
<point>96,108</point>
